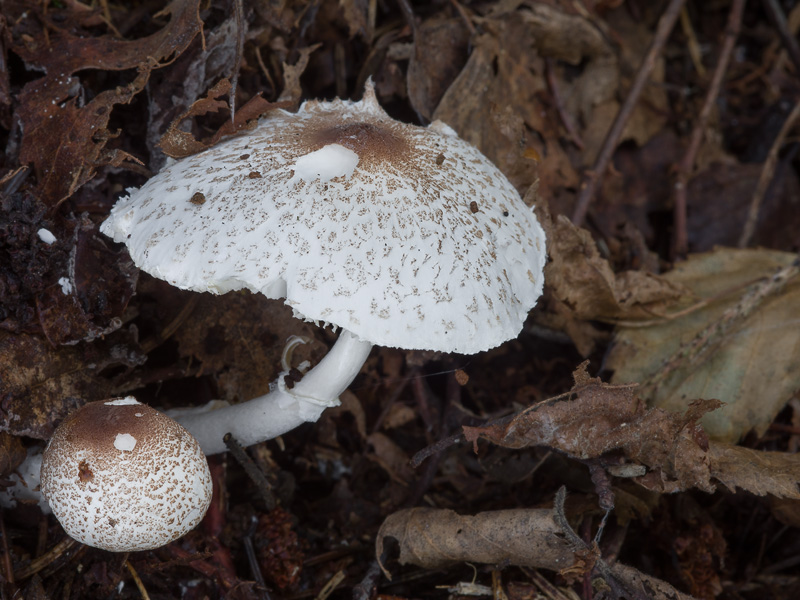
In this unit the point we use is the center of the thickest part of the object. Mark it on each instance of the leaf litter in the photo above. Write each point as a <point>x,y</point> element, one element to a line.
<point>86,94</point>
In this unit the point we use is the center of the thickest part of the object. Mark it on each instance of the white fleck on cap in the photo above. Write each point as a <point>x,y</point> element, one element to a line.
<point>406,236</point>
<point>122,476</point>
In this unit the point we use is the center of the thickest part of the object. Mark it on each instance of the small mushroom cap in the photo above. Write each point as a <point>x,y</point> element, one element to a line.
<point>121,476</point>
<point>406,236</point>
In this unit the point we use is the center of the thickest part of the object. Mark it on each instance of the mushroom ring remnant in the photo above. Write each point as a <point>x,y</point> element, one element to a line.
<point>401,235</point>
<point>121,476</point>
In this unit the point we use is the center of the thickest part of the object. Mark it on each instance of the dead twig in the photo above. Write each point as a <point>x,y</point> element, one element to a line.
<point>137,580</point>
<point>592,177</point>
<point>255,474</point>
<point>765,178</point>
<point>775,14</point>
<point>692,43</point>
<point>558,100</point>
<point>238,14</point>
<point>40,562</point>
<point>680,240</point>
<point>464,16</point>
<point>7,566</point>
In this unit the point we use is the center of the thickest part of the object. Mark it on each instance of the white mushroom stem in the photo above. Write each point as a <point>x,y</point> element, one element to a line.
<point>282,409</point>
<point>251,422</point>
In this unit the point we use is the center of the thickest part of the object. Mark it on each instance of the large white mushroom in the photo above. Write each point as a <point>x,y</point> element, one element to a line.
<point>400,235</point>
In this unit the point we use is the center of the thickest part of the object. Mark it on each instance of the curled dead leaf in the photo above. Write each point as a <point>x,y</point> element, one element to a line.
<point>595,418</point>
<point>63,137</point>
<point>177,143</point>
<point>584,281</point>
<point>434,538</point>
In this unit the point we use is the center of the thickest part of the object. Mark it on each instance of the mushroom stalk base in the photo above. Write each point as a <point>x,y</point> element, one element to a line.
<point>282,409</point>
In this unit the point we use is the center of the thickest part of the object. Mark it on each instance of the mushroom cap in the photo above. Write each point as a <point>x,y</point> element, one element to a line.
<point>121,476</point>
<point>406,236</point>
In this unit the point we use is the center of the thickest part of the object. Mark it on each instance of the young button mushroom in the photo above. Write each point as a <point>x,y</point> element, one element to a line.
<point>401,235</point>
<point>121,476</point>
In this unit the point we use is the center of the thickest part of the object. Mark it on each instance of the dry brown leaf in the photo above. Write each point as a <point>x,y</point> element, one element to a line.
<point>495,101</point>
<point>597,418</point>
<point>292,92</point>
<point>578,276</point>
<point>760,473</point>
<point>357,17</point>
<point>594,97</point>
<point>181,145</point>
<point>440,51</point>
<point>568,37</point>
<point>178,144</point>
<point>41,385</point>
<point>64,139</point>
<point>12,453</point>
<point>786,510</point>
<point>738,347</point>
<point>239,339</point>
<point>89,300</point>
<point>502,102</point>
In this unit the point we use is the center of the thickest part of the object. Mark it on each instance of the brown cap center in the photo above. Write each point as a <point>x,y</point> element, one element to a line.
<point>373,142</point>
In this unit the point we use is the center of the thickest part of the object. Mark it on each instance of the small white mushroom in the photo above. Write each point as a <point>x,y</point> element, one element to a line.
<point>121,476</point>
<point>401,235</point>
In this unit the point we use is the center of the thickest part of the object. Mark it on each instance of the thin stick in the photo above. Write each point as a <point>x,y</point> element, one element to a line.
<point>558,100</point>
<point>40,562</point>
<point>778,19</point>
<point>332,584</point>
<point>693,45</point>
<point>408,14</point>
<point>464,15</point>
<point>251,468</point>
<point>9,568</point>
<point>765,177</point>
<point>680,243</point>
<point>238,14</point>
<point>137,580</point>
<point>592,177</point>
<point>252,558</point>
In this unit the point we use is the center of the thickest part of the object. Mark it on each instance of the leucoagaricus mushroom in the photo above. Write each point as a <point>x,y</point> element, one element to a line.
<point>121,476</point>
<point>402,236</point>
